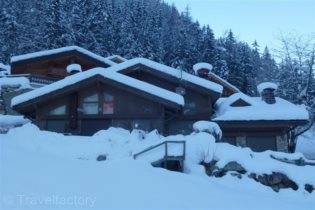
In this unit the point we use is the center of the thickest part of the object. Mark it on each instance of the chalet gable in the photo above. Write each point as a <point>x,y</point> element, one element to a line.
<point>53,63</point>
<point>240,103</point>
<point>80,80</point>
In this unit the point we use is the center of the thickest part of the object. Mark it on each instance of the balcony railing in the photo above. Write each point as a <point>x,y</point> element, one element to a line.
<point>35,79</point>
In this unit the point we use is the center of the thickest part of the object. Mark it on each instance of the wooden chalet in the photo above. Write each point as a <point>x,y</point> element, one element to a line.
<point>143,94</point>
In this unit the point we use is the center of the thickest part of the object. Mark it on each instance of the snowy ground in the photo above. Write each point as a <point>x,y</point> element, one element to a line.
<point>44,170</point>
<point>306,143</point>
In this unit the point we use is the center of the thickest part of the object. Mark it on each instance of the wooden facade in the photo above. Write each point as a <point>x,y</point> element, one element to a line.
<point>95,104</point>
<point>55,65</point>
<point>259,135</point>
<point>198,101</point>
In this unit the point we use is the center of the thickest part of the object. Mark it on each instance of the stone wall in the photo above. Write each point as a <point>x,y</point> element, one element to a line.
<point>282,143</point>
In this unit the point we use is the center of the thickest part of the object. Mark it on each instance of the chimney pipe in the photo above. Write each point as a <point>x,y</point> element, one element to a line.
<point>74,68</point>
<point>267,92</point>
<point>202,69</point>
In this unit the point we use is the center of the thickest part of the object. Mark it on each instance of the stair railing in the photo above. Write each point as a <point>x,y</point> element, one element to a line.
<point>165,144</point>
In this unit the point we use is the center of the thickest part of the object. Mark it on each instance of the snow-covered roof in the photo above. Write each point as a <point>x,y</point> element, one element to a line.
<point>112,75</point>
<point>266,85</point>
<point>61,50</point>
<point>22,82</point>
<point>258,109</point>
<point>198,66</point>
<point>170,71</point>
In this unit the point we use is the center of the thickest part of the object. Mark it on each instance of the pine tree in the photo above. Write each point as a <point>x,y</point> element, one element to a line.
<point>55,34</point>
<point>9,33</point>
<point>269,69</point>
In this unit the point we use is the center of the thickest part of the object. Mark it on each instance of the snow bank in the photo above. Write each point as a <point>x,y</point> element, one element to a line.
<point>30,180</point>
<point>115,143</point>
<point>199,66</point>
<point>129,81</point>
<point>262,163</point>
<point>22,82</point>
<point>265,85</point>
<point>306,144</point>
<point>258,109</point>
<point>118,143</point>
<point>40,164</point>
<point>7,120</point>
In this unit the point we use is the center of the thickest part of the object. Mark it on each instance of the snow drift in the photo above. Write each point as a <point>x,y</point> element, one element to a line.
<point>37,167</point>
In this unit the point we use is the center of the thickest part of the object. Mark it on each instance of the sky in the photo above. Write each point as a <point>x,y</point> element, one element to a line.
<point>261,20</point>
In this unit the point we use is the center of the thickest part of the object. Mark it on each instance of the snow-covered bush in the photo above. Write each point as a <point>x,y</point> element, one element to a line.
<point>209,127</point>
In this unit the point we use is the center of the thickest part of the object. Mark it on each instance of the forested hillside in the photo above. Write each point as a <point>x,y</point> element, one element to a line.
<point>155,30</point>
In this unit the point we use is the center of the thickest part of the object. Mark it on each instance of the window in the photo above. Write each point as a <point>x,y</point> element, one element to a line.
<point>108,104</point>
<point>90,104</point>
<point>60,110</point>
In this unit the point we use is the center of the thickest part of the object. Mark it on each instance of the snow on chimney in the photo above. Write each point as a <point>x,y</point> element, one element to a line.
<point>267,92</point>
<point>74,68</point>
<point>202,69</point>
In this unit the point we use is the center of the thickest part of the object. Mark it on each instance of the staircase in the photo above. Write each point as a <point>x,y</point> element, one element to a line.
<point>169,162</point>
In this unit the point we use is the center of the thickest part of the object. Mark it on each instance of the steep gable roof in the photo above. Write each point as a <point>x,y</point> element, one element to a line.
<point>152,90</point>
<point>172,72</point>
<point>47,53</point>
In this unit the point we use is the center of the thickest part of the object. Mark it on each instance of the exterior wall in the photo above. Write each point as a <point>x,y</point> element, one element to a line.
<point>54,66</point>
<point>197,105</point>
<point>130,111</point>
<point>257,138</point>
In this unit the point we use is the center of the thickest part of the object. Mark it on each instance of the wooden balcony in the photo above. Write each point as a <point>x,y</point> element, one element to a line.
<point>35,80</point>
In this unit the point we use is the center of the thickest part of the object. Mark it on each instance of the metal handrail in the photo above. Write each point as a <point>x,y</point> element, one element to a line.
<point>165,143</point>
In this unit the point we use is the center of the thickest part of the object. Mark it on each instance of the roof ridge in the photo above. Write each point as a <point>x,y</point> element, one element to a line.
<point>60,50</point>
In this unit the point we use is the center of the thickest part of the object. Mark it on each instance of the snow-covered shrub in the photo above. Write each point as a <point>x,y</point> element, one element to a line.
<point>209,127</point>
